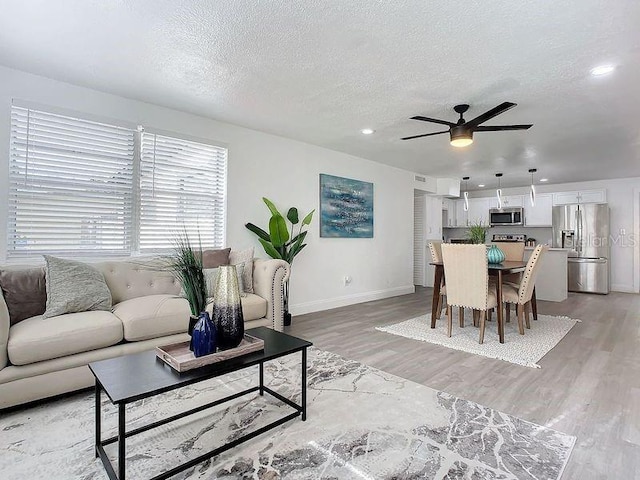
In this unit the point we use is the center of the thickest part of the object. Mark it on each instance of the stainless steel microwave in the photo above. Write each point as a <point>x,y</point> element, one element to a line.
<point>506,216</point>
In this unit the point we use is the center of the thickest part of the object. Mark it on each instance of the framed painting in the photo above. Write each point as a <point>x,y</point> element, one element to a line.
<point>346,207</point>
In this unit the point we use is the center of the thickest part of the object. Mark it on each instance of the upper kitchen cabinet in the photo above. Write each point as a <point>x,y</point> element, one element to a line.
<point>461,219</point>
<point>583,196</point>
<point>539,215</point>
<point>449,210</point>
<point>508,201</point>
<point>479,210</point>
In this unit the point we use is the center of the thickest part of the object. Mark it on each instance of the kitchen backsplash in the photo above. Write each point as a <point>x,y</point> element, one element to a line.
<point>541,234</point>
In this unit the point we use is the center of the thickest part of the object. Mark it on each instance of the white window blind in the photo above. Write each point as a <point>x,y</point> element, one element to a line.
<point>70,186</point>
<point>182,187</point>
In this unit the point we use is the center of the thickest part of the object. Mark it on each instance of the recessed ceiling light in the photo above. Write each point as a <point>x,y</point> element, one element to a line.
<point>367,131</point>
<point>602,70</point>
<point>481,185</point>
<point>544,179</point>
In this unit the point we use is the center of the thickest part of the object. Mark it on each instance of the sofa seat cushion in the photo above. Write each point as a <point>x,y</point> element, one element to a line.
<point>153,316</point>
<point>253,307</point>
<point>36,339</point>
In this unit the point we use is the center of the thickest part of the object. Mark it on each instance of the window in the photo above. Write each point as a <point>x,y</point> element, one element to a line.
<point>80,187</point>
<point>182,186</point>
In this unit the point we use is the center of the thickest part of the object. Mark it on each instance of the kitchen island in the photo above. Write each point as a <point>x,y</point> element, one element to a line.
<point>551,283</point>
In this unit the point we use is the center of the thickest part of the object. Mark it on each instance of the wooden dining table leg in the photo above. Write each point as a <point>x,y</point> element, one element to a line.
<point>534,304</point>
<point>499,308</point>
<point>436,294</point>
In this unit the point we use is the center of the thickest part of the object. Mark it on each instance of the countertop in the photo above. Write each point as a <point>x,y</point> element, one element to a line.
<point>550,249</point>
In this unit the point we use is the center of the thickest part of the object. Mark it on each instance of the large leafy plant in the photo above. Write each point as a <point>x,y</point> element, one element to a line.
<point>282,241</point>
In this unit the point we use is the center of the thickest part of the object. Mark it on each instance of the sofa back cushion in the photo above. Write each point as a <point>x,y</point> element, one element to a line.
<point>24,291</point>
<point>133,279</point>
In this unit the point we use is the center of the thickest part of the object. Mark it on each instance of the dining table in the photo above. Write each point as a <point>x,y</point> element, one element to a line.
<point>495,269</point>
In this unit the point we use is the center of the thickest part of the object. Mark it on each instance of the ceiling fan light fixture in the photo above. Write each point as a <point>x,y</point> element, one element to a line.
<point>461,137</point>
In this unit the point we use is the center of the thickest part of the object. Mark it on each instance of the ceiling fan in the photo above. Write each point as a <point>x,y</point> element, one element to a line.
<point>461,132</point>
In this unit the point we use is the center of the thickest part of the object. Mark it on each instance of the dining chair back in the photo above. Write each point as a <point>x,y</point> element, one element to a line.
<point>467,274</point>
<point>522,295</point>
<point>513,251</point>
<point>436,251</point>
<point>525,291</point>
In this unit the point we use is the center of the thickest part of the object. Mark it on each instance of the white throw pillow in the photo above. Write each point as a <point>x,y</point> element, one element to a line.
<point>244,257</point>
<point>211,275</point>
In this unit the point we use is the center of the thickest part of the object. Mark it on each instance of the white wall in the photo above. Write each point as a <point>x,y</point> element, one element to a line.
<point>621,200</point>
<point>260,164</point>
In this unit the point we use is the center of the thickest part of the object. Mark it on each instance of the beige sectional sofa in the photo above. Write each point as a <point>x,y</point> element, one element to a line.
<point>40,357</point>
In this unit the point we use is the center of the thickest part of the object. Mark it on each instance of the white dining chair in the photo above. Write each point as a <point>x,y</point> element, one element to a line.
<point>521,295</point>
<point>467,274</point>
<point>435,248</point>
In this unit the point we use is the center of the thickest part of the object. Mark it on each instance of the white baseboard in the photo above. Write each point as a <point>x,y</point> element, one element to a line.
<point>617,287</point>
<point>319,305</point>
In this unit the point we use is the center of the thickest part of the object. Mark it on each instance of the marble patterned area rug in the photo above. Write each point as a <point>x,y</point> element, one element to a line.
<point>362,424</point>
<point>525,350</point>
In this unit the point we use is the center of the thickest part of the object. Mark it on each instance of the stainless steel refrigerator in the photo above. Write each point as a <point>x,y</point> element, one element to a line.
<point>584,230</point>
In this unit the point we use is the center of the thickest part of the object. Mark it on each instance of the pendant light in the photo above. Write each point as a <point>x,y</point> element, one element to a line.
<point>532,192</point>
<point>466,193</point>
<point>499,191</point>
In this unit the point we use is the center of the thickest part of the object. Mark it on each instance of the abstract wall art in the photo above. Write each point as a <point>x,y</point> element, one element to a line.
<point>346,207</point>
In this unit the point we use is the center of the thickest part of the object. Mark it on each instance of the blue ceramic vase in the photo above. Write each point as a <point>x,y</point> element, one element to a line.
<point>495,255</point>
<point>204,336</point>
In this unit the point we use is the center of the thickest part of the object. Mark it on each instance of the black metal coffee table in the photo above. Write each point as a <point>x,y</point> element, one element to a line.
<point>134,377</point>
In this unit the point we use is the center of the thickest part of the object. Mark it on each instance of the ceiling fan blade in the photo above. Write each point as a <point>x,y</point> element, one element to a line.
<point>497,128</point>
<point>433,120</point>
<point>425,135</point>
<point>503,107</point>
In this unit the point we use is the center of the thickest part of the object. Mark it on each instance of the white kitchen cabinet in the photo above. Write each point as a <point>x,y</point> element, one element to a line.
<point>539,215</point>
<point>507,201</point>
<point>449,206</point>
<point>582,196</point>
<point>479,210</point>
<point>434,217</point>
<point>461,215</point>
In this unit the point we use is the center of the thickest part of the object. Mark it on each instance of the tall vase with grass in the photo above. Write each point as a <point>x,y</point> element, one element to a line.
<point>477,232</point>
<point>282,241</point>
<point>187,266</point>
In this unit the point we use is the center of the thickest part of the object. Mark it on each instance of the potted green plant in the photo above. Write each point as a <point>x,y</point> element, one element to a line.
<point>280,242</point>
<point>186,265</point>
<point>477,232</point>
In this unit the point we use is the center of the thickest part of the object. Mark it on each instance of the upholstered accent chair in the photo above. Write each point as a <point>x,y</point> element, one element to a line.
<point>521,295</point>
<point>436,256</point>
<point>467,274</point>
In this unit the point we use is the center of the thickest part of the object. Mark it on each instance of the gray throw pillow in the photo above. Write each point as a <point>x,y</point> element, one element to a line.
<point>74,287</point>
<point>24,292</point>
<point>215,258</point>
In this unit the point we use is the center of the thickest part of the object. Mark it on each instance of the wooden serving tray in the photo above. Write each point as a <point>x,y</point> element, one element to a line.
<point>180,358</point>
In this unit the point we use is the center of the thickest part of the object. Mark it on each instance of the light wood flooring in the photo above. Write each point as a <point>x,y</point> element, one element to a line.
<point>588,386</point>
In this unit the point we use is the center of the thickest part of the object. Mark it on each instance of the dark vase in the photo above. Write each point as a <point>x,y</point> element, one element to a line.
<point>204,336</point>
<point>287,319</point>
<point>192,323</point>
<point>227,309</point>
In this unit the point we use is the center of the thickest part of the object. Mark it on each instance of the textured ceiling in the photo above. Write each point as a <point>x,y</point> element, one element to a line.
<point>319,71</point>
